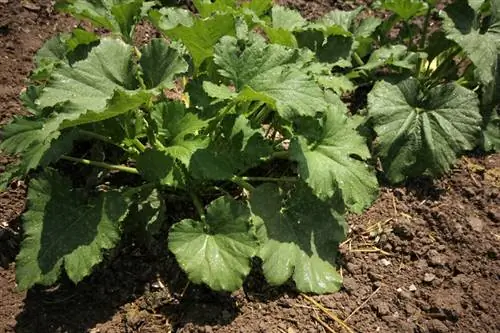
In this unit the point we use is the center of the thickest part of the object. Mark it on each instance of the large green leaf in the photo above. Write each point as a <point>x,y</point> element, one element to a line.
<point>199,35</point>
<point>237,148</point>
<point>267,73</point>
<point>480,43</point>
<point>64,228</point>
<point>39,143</point>
<point>160,64</point>
<point>117,15</point>
<point>99,87</point>
<point>334,164</point>
<point>216,252</point>
<point>335,49</point>
<point>406,9</point>
<point>337,22</point>
<point>299,236</point>
<point>422,131</point>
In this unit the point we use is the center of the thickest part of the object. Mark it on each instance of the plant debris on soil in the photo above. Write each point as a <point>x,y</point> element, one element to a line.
<point>423,258</point>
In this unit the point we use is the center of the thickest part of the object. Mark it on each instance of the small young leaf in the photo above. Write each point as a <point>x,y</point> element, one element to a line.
<point>65,229</point>
<point>216,252</point>
<point>299,235</point>
<point>179,130</point>
<point>422,132</point>
<point>332,165</point>
<point>392,55</point>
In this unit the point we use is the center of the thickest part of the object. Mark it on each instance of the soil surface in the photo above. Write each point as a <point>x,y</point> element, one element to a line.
<point>424,258</point>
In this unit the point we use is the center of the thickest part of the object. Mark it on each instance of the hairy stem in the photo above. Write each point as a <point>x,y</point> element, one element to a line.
<point>423,40</point>
<point>410,35</point>
<point>358,59</point>
<point>198,205</point>
<point>270,179</point>
<point>243,183</point>
<point>138,144</point>
<point>103,165</point>
<point>99,137</point>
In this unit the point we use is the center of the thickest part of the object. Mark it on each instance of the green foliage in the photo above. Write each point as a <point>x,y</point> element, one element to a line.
<point>218,249</point>
<point>65,228</point>
<point>298,234</point>
<point>239,108</point>
<point>422,131</point>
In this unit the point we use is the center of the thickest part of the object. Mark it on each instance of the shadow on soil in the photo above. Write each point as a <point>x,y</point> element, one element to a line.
<point>130,292</point>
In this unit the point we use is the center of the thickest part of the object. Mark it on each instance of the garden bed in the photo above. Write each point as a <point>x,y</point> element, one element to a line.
<point>423,258</point>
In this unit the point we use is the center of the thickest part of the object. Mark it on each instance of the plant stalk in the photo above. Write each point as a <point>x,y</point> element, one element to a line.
<point>138,144</point>
<point>103,165</point>
<point>421,46</point>
<point>240,181</point>
<point>198,205</point>
<point>99,137</point>
<point>270,179</point>
<point>358,59</point>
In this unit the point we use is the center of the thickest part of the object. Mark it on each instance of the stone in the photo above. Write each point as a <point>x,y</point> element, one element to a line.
<point>385,262</point>
<point>429,277</point>
<point>475,223</point>
<point>383,309</point>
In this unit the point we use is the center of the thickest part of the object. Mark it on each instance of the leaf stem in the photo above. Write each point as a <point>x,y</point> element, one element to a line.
<point>103,165</point>
<point>358,59</point>
<point>99,137</point>
<point>423,40</point>
<point>270,179</point>
<point>243,183</point>
<point>410,35</point>
<point>138,144</point>
<point>198,205</point>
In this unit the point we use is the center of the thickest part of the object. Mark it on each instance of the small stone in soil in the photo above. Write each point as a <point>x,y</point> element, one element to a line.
<point>404,294</point>
<point>437,326</point>
<point>385,262</point>
<point>475,223</point>
<point>383,309</point>
<point>412,287</point>
<point>435,258</point>
<point>429,277</point>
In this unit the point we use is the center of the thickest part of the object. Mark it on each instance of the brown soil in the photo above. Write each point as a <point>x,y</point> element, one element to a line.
<point>424,258</point>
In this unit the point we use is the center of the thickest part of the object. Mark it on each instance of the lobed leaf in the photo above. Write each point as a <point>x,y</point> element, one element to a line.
<point>406,9</point>
<point>160,64</point>
<point>420,131</point>
<point>271,74</point>
<point>480,43</point>
<point>299,235</point>
<point>65,229</point>
<point>216,252</point>
<point>334,164</point>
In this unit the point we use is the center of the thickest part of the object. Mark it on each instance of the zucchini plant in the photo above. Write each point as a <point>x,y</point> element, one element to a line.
<point>237,111</point>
